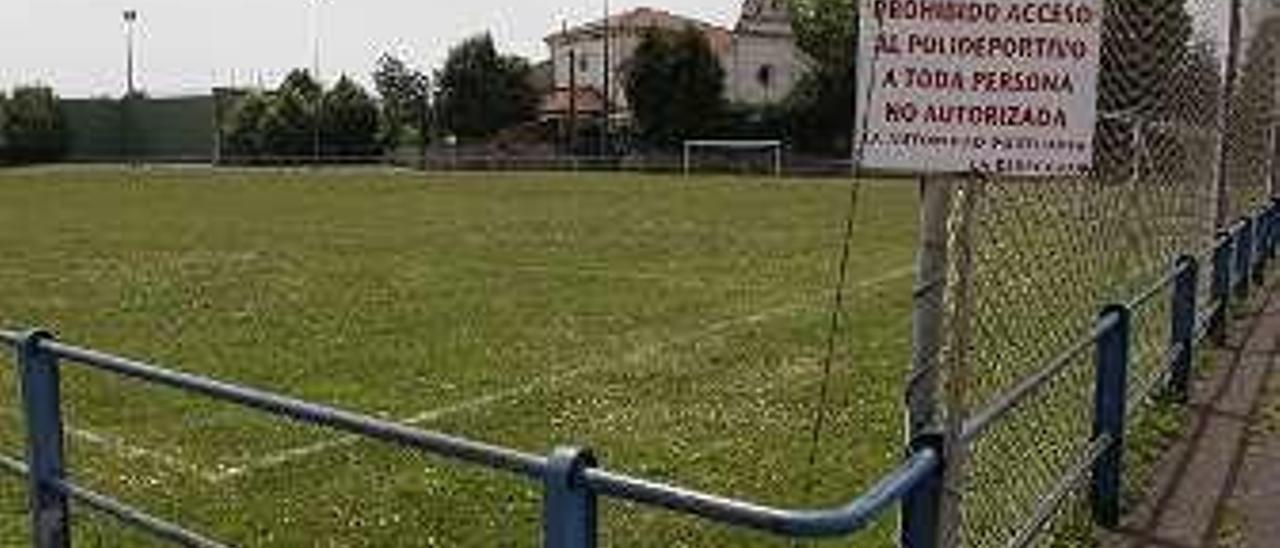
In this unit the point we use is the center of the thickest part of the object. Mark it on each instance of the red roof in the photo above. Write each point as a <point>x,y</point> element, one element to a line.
<point>645,18</point>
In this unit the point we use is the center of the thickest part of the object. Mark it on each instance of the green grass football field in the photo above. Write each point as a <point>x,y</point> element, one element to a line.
<point>675,325</point>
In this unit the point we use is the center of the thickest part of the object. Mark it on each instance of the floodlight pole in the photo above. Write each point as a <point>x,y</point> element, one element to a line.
<point>130,18</point>
<point>319,102</point>
<point>130,22</point>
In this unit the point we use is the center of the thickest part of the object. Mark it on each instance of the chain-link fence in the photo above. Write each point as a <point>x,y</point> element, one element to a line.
<point>1185,146</point>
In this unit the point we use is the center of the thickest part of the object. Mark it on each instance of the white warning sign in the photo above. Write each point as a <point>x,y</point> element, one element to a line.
<point>998,87</point>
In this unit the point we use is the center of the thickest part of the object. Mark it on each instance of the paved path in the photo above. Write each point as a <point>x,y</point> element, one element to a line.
<point>1220,484</point>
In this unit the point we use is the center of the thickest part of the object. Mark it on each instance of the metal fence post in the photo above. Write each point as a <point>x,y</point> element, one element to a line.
<point>1273,231</point>
<point>1244,257</point>
<point>1184,326</point>
<point>41,400</point>
<point>1109,410</point>
<point>1261,235</point>
<point>1266,232</point>
<point>1222,287</point>
<point>569,507</point>
<point>923,408</point>
<point>922,507</point>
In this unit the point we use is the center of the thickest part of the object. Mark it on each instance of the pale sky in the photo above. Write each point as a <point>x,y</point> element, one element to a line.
<point>186,46</point>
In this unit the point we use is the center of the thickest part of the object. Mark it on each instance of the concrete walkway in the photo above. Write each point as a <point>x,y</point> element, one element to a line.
<point>1220,484</point>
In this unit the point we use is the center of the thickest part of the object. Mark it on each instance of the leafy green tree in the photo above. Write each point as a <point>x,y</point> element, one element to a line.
<point>349,121</point>
<point>1144,46</point>
<point>821,105</point>
<point>480,92</point>
<point>406,100</point>
<point>821,112</point>
<point>675,87</point>
<point>4,141</point>
<point>826,31</point>
<point>301,82</point>
<point>244,134</point>
<point>1143,42</point>
<point>33,125</point>
<point>1252,109</point>
<point>288,126</point>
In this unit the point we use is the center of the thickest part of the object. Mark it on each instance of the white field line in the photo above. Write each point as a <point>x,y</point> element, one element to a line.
<point>289,455</point>
<point>605,272</point>
<point>129,451</point>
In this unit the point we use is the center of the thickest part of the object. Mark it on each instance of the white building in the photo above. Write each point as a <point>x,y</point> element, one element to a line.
<point>759,56</point>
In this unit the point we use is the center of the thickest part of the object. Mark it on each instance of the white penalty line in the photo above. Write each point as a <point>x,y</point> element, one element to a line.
<point>129,451</point>
<point>301,452</point>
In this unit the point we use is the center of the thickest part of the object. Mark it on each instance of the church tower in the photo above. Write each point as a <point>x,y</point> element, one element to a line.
<point>767,17</point>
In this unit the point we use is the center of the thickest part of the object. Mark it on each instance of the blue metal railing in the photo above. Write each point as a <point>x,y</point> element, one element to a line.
<point>1240,258</point>
<point>573,480</point>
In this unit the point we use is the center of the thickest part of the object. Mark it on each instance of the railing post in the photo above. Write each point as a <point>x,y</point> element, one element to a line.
<point>41,400</point>
<point>1222,287</point>
<point>569,507</point>
<point>1261,235</point>
<point>1109,413</point>
<point>1274,241</point>
<point>1244,258</point>
<point>1184,326</point>
<point>922,507</point>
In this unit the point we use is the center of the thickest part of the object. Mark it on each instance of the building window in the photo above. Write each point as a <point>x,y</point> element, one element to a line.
<point>764,76</point>
<point>584,63</point>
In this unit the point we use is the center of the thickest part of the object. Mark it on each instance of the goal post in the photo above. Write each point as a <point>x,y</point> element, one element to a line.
<point>773,146</point>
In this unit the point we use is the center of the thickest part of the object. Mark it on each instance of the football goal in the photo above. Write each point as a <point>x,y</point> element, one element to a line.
<point>737,155</point>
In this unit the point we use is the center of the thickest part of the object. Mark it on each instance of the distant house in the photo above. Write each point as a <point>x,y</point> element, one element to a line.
<point>760,58</point>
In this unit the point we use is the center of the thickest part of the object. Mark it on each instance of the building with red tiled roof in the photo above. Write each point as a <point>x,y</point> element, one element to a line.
<point>759,55</point>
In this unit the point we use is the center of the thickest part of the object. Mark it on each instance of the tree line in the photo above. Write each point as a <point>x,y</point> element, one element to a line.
<point>32,128</point>
<point>474,95</point>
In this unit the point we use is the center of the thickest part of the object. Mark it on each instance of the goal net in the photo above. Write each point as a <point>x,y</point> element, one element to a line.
<point>758,156</point>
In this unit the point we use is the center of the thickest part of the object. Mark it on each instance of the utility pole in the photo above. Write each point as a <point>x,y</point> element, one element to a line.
<point>607,125</point>
<point>573,99</point>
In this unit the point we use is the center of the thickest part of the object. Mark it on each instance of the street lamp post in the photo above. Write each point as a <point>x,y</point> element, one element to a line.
<point>130,21</point>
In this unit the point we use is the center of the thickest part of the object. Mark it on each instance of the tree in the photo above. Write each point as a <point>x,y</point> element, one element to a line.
<point>1144,44</point>
<point>675,86</point>
<point>826,30</point>
<point>300,81</point>
<point>821,112</point>
<point>821,105</point>
<point>33,125</point>
<point>1251,111</point>
<point>288,126</point>
<point>244,134</point>
<point>349,121</point>
<point>406,100</point>
<point>480,92</point>
<point>4,141</point>
<point>283,123</point>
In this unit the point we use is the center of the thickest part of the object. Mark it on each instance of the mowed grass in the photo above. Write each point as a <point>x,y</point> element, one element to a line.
<point>676,326</point>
